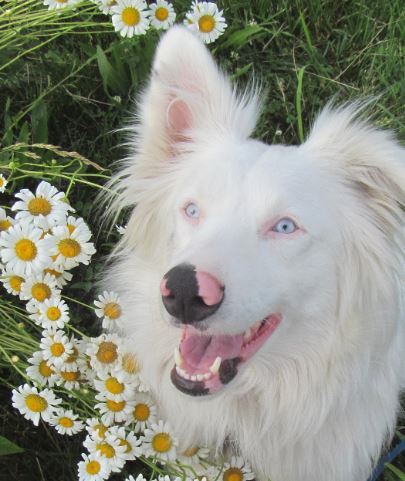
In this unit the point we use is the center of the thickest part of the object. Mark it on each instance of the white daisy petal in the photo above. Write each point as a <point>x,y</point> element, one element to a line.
<point>160,442</point>
<point>130,17</point>
<point>34,404</point>
<point>162,14</point>
<point>46,208</point>
<point>66,422</point>
<point>206,21</point>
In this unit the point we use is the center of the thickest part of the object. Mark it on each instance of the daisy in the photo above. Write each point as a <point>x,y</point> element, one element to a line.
<point>45,208</point>
<point>130,17</point>
<point>53,313</point>
<point>140,477</point>
<point>96,429</point>
<point>121,229</point>
<point>162,14</point>
<point>71,249</point>
<point>39,287</point>
<point>104,352</point>
<point>66,422</point>
<point>5,221</point>
<point>143,414</point>
<point>22,249</point>
<point>3,183</point>
<point>73,222</point>
<point>159,441</point>
<point>35,405</point>
<point>236,470</point>
<point>113,411</point>
<point>58,4</point>
<point>41,370</point>
<point>193,455</point>
<point>56,347</point>
<point>115,384</point>
<point>129,440</point>
<point>110,449</point>
<point>93,468</point>
<point>68,377</point>
<point>61,276</point>
<point>109,309</point>
<point>11,281</point>
<point>106,6</point>
<point>206,21</point>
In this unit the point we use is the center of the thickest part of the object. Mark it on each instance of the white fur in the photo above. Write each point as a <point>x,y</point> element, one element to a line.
<point>320,399</point>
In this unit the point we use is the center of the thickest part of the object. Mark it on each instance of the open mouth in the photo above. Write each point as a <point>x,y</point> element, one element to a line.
<point>204,364</point>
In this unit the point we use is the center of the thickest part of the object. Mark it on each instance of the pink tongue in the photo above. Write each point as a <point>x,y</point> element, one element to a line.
<point>200,351</point>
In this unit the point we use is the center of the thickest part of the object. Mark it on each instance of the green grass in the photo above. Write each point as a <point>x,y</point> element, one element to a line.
<point>70,81</point>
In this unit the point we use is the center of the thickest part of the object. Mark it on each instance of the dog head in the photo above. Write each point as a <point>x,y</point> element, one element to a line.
<point>264,252</point>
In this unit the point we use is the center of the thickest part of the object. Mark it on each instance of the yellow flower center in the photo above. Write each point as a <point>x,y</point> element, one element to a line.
<point>38,206</point>
<point>124,442</point>
<point>53,313</point>
<point>101,430</point>
<point>115,406</point>
<point>36,403</point>
<point>74,356</point>
<point>112,310</point>
<point>4,224</point>
<point>130,16</point>
<point>93,467</point>
<point>44,369</point>
<point>233,474</point>
<point>1,182</point>
<point>25,249</point>
<point>111,3</point>
<point>53,272</point>
<point>190,452</point>
<point>114,386</point>
<point>206,23</point>
<point>40,291</point>
<point>71,228</point>
<point>141,412</point>
<point>106,450</point>
<point>57,349</point>
<point>107,352</point>
<point>130,363</point>
<point>66,422</point>
<point>15,283</point>
<point>161,442</point>
<point>70,375</point>
<point>69,248</point>
<point>161,13</point>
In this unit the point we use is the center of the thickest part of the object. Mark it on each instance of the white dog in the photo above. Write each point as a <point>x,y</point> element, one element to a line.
<point>272,273</point>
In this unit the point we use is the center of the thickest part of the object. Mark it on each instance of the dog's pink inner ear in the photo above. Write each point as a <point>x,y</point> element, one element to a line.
<point>179,120</point>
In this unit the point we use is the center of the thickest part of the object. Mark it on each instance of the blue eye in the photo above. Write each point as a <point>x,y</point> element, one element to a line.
<point>285,226</point>
<point>192,210</point>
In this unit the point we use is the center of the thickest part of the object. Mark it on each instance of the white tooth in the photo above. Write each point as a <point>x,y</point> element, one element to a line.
<point>200,377</point>
<point>177,357</point>
<point>178,370</point>
<point>194,377</point>
<point>207,375</point>
<point>215,365</point>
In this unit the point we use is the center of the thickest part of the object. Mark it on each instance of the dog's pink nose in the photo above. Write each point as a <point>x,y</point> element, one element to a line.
<point>209,288</point>
<point>163,287</point>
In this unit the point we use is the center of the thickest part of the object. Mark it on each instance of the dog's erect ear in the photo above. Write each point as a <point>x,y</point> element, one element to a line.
<point>188,96</point>
<point>369,158</point>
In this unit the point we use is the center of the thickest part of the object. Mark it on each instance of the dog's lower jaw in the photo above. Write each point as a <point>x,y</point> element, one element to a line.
<point>283,435</point>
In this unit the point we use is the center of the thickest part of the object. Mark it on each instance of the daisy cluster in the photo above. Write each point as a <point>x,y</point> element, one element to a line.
<point>136,17</point>
<point>39,246</point>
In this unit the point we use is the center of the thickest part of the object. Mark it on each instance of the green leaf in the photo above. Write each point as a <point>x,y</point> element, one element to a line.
<point>7,447</point>
<point>24,134</point>
<point>240,37</point>
<point>399,473</point>
<point>110,76</point>
<point>39,122</point>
